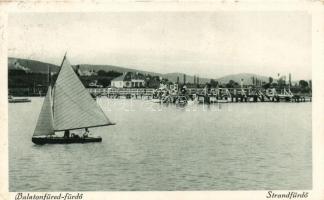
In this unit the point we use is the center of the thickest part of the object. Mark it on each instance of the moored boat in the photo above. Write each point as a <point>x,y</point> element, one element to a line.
<point>202,99</point>
<point>222,101</point>
<point>156,100</point>
<point>212,99</point>
<point>12,99</point>
<point>181,100</point>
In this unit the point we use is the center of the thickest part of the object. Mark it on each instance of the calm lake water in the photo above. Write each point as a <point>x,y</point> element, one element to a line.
<point>236,146</point>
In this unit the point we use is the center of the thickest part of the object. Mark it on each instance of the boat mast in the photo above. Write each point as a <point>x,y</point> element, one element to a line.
<point>49,81</point>
<point>54,85</point>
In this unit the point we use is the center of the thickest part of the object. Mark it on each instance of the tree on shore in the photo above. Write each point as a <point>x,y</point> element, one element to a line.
<point>213,83</point>
<point>270,80</point>
<point>232,84</point>
<point>303,83</point>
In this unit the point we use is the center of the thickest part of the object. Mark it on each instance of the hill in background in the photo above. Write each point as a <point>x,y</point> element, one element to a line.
<point>88,67</point>
<point>33,66</point>
<point>247,78</point>
<point>189,79</point>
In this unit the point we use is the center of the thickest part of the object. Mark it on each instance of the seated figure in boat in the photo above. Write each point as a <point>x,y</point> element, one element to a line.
<point>86,133</point>
<point>66,134</point>
<point>73,135</point>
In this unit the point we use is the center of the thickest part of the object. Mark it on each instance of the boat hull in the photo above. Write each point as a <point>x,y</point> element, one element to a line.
<point>156,100</point>
<point>61,140</point>
<point>19,100</point>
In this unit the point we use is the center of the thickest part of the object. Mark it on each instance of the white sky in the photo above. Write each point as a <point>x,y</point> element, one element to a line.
<point>210,44</point>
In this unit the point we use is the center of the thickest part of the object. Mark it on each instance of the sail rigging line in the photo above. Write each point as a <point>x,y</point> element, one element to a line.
<point>63,61</point>
<point>44,124</point>
<point>53,97</point>
<point>71,129</point>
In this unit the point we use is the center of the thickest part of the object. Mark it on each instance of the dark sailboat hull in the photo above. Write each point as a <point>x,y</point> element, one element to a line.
<point>61,140</point>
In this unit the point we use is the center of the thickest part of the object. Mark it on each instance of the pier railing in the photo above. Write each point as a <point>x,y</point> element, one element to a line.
<point>121,91</point>
<point>220,93</point>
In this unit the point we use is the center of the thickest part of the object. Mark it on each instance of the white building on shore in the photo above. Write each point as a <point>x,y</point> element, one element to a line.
<point>128,80</point>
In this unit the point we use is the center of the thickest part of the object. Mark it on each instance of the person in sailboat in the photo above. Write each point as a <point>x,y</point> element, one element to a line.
<point>86,133</point>
<point>74,135</point>
<point>66,134</point>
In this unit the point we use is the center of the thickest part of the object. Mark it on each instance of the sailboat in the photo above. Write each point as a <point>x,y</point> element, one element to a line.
<point>68,107</point>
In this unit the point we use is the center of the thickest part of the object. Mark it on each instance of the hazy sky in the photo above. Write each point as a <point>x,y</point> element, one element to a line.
<point>208,44</point>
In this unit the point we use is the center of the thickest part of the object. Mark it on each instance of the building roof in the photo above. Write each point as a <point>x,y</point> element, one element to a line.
<point>120,78</point>
<point>129,76</point>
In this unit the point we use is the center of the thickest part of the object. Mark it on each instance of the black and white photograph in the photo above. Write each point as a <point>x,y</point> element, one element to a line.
<point>181,100</point>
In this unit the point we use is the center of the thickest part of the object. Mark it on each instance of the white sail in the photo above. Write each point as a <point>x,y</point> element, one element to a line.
<point>73,106</point>
<point>44,124</point>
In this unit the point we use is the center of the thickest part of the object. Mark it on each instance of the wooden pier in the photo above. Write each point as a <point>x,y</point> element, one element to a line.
<point>250,95</point>
<point>214,95</point>
<point>135,93</point>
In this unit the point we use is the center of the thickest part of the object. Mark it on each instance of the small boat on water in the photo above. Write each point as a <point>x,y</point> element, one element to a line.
<point>155,100</point>
<point>12,99</point>
<point>181,100</point>
<point>202,99</point>
<point>68,106</point>
<point>192,102</point>
<point>209,99</point>
<point>212,99</point>
<point>222,101</point>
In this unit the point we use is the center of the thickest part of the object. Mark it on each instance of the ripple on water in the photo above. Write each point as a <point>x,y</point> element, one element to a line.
<point>234,147</point>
